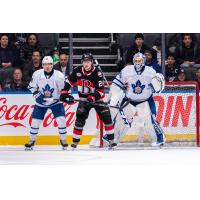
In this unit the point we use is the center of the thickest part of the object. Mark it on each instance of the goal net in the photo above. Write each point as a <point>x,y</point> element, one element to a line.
<point>177,112</point>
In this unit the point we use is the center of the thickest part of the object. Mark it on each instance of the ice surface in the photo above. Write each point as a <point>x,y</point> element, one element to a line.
<point>49,155</point>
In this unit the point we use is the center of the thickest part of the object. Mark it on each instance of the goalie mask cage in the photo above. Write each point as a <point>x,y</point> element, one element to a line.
<point>178,114</point>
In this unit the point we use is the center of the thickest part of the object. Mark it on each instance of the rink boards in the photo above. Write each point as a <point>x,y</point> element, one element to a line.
<point>175,112</point>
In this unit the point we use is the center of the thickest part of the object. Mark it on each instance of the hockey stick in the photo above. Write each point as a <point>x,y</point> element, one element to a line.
<point>103,104</point>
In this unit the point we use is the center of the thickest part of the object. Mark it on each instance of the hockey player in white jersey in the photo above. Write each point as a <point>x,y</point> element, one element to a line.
<point>137,83</point>
<point>46,85</point>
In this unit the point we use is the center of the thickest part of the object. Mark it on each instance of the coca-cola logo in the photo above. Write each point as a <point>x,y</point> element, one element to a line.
<point>16,114</point>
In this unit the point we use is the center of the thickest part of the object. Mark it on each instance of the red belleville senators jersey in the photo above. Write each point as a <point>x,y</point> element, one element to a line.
<point>89,83</point>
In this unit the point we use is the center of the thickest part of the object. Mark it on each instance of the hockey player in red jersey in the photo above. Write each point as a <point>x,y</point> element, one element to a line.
<point>89,80</point>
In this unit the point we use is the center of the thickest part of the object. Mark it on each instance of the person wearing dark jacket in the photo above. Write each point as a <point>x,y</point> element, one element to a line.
<point>181,76</point>
<point>171,68</point>
<point>138,46</point>
<point>7,54</point>
<point>27,49</point>
<point>17,83</point>
<point>151,60</point>
<point>33,66</point>
<point>7,58</point>
<point>188,54</point>
<point>62,65</point>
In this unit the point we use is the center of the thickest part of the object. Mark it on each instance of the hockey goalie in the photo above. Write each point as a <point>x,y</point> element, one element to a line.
<point>132,90</point>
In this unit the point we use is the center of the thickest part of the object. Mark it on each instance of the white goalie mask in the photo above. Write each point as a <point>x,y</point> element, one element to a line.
<point>139,61</point>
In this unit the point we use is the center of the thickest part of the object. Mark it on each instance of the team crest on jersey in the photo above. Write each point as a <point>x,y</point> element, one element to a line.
<point>100,74</point>
<point>138,87</point>
<point>78,74</point>
<point>48,91</point>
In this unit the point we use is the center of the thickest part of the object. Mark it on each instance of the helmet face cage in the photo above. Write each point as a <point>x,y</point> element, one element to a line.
<point>139,61</point>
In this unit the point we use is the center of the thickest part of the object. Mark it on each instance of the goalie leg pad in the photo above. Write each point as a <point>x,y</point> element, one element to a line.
<point>144,114</point>
<point>158,130</point>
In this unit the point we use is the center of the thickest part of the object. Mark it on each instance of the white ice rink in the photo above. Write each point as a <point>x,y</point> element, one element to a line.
<point>50,155</point>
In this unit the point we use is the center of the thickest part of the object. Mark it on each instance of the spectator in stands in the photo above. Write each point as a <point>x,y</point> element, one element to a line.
<point>138,46</point>
<point>188,54</point>
<point>33,66</point>
<point>157,48</point>
<point>198,75</point>
<point>151,60</point>
<point>171,68</point>
<point>181,75</point>
<point>63,65</point>
<point>31,45</point>
<point>16,83</point>
<point>55,55</point>
<point>7,57</point>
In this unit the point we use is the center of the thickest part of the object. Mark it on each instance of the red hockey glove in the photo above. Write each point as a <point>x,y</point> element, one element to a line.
<point>91,98</point>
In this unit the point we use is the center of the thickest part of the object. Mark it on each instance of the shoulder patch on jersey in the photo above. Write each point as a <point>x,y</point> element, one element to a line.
<point>78,74</point>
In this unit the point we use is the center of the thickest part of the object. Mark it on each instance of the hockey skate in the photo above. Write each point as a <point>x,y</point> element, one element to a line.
<point>160,141</point>
<point>111,143</point>
<point>29,145</point>
<point>74,145</point>
<point>63,144</point>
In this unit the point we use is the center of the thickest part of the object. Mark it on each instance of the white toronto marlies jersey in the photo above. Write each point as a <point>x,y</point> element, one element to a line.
<point>49,86</point>
<point>137,85</point>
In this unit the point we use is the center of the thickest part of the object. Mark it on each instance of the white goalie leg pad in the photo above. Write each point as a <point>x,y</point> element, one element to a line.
<point>34,128</point>
<point>144,113</point>
<point>61,121</point>
<point>138,128</point>
<point>95,142</point>
<point>122,121</point>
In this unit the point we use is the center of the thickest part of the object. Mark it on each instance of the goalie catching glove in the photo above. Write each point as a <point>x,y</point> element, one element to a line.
<point>157,83</point>
<point>66,97</point>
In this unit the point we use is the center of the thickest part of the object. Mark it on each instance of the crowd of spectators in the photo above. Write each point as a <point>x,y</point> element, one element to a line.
<point>20,56</point>
<point>182,61</point>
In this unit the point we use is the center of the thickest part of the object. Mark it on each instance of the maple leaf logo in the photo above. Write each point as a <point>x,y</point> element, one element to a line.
<point>138,87</point>
<point>48,91</point>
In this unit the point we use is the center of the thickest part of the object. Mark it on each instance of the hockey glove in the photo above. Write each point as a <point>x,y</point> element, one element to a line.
<point>67,98</point>
<point>39,98</point>
<point>91,99</point>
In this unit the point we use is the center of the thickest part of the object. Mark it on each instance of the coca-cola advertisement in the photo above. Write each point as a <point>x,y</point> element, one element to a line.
<point>175,112</point>
<point>15,117</point>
